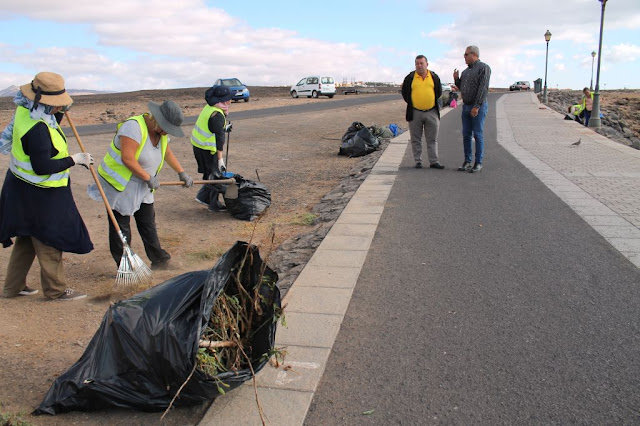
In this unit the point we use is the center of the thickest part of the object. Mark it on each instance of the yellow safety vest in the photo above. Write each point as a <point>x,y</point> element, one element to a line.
<point>20,163</point>
<point>113,170</point>
<point>584,101</point>
<point>201,137</point>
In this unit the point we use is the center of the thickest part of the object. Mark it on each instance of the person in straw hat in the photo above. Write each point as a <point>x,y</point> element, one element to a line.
<point>36,203</point>
<point>208,138</point>
<point>128,174</point>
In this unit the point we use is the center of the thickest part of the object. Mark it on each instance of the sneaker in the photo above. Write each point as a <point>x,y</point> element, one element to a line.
<point>466,166</point>
<point>476,168</point>
<point>28,291</point>
<point>418,164</point>
<point>70,294</point>
<point>198,200</point>
<point>436,166</point>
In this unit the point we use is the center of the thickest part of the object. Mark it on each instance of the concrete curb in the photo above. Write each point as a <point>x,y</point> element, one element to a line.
<point>316,304</point>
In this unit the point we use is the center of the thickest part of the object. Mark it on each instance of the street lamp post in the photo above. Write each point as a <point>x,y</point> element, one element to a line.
<point>595,121</point>
<point>593,56</point>
<point>547,37</point>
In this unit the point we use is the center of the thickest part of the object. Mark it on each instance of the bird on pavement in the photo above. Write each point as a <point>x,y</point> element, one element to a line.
<point>577,143</point>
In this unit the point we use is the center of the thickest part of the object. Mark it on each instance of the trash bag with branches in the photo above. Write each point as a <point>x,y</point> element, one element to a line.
<point>182,342</point>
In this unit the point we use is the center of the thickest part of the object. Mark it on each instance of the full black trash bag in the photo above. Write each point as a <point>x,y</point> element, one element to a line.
<point>146,346</point>
<point>358,141</point>
<point>253,199</point>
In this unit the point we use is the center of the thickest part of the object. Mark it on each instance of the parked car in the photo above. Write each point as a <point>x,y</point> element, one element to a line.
<point>314,86</point>
<point>238,90</point>
<point>445,98</point>
<point>520,85</point>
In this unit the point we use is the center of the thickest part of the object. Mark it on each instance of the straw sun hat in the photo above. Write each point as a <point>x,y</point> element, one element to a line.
<point>47,88</point>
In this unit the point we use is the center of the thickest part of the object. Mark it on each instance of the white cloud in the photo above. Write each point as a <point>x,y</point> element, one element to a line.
<point>192,43</point>
<point>621,53</point>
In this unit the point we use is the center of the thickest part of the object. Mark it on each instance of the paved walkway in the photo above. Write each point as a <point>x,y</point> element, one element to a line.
<point>596,179</point>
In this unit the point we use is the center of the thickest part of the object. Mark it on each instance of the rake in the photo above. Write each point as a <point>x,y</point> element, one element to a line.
<point>132,271</point>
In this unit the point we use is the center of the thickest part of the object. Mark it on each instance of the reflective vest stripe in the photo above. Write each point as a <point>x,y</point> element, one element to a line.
<point>205,133</point>
<point>34,178</point>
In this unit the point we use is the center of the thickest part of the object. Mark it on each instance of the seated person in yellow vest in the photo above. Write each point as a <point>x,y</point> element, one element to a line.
<point>208,138</point>
<point>36,204</point>
<point>128,174</point>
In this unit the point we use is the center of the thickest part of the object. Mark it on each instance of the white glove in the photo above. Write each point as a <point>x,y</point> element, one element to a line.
<point>83,158</point>
<point>228,127</point>
<point>221,165</point>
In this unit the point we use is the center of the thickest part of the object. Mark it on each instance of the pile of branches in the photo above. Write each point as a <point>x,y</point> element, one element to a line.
<point>240,312</point>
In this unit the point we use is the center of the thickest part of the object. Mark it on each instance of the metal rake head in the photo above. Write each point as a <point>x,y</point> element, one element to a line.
<point>132,270</point>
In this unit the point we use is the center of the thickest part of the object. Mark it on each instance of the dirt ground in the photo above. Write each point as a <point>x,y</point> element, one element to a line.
<point>295,157</point>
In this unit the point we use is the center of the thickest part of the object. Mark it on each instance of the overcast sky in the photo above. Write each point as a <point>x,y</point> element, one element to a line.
<point>123,45</point>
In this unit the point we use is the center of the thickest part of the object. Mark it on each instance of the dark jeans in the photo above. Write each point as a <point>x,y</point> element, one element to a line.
<point>587,116</point>
<point>146,222</point>
<point>473,127</point>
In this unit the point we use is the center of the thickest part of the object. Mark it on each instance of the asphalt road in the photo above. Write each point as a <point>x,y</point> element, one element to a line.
<point>484,299</point>
<point>97,129</point>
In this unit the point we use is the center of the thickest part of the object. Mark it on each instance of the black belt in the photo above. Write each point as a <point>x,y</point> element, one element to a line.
<point>424,110</point>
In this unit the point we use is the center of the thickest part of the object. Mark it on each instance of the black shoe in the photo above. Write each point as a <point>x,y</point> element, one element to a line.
<point>436,166</point>
<point>476,168</point>
<point>161,266</point>
<point>466,166</point>
<point>418,164</point>
<point>219,207</point>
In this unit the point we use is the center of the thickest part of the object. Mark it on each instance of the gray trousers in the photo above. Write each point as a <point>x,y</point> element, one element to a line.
<point>429,122</point>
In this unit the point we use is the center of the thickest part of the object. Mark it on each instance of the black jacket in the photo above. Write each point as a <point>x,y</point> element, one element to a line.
<point>406,92</point>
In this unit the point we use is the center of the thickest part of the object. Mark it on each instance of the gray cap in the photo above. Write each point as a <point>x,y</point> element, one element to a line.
<point>169,116</point>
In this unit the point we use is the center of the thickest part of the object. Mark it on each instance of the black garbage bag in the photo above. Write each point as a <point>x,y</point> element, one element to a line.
<point>253,199</point>
<point>358,141</point>
<point>146,346</point>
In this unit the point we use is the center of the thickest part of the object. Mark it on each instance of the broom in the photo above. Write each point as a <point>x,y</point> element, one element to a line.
<point>132,270</point>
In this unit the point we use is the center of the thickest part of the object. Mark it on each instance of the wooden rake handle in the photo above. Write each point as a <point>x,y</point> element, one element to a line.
<point>95,175</point>
<point>202,182</point>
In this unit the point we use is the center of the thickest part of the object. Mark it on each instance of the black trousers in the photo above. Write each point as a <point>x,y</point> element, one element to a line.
<point>208,166</point>
<point>146,222</point>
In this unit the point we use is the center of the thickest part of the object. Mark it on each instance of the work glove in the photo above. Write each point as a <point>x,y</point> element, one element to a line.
<point>221,165</point>
<point>228,127</point>
<point>188,182</point>
<point>153,183</point>
<point>83,158</point>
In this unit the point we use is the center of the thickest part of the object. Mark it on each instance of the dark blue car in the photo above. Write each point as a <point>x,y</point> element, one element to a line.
<point>238,90</point>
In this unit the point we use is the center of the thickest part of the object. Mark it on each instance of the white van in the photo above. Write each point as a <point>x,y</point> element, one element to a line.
<point>314,86</point>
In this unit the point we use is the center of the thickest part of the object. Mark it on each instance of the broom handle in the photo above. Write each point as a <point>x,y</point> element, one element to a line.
<point>201,182</point>
<point>95,176</point>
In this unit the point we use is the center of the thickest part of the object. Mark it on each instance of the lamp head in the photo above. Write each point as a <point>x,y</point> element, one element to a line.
<point>547,36</point>
<point>593,54</point>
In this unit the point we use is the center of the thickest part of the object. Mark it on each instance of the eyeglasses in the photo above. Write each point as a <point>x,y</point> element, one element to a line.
<point>467,54</point>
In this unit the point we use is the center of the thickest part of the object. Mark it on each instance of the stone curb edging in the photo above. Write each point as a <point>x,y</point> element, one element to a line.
<point>316,304</point>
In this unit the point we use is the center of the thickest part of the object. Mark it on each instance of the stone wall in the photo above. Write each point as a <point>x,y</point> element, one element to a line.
<point>621,119</point>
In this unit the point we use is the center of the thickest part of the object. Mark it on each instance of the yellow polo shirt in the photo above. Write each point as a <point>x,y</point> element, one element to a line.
<point>423,94</point>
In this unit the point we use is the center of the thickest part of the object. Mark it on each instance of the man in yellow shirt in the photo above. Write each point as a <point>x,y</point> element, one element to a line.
<point>421,90</point>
